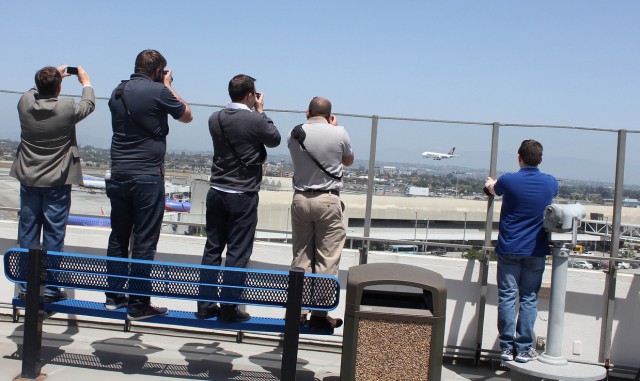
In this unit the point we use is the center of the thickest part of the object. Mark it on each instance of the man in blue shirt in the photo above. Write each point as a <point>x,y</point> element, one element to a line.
<point>139,110</point>
<point>521,248</point>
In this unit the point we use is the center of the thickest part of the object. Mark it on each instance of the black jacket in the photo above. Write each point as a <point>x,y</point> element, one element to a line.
<point>249,133</point>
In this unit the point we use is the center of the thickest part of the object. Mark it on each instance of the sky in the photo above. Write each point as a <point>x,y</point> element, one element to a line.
<point>543,62</point>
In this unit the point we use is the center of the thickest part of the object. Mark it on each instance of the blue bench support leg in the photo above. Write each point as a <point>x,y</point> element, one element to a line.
<point>34,314</point>
<point>292,324</point>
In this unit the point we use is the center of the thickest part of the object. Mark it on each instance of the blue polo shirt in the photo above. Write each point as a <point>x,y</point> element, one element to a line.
<point>525,195</point>
<point>135,149</point>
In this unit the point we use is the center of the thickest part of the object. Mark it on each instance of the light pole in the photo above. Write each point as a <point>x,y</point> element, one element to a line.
<point>457,175</point>
<point>464,232</point>
<point>415,228</point>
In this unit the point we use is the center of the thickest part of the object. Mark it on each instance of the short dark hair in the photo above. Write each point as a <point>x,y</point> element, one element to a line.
<point>320,107</point>
<point>240,86</point>
<point>530,152</point>
<point>48,80</point>
<point>148,61</point>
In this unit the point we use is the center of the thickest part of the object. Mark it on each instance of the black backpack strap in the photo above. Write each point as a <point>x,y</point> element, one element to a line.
<point>298,134</point>
<point>120,95</point>
<point>226,138</point>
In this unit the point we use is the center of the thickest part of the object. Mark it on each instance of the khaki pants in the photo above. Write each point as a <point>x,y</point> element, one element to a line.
<point>318,233</point>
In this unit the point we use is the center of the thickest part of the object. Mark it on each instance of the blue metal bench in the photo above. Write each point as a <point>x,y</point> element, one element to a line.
<point>293,290</point>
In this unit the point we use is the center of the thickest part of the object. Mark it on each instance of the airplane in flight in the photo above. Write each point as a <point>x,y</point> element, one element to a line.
<point>438,155</point>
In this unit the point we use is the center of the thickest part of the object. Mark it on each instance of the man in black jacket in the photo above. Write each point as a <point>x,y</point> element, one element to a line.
<point>239,139</point>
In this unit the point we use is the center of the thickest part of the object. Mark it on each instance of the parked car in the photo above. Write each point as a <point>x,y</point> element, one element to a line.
<point>582,265</point>
<point>623,265</point>
<point>597,265</point>
<point>439,251</point>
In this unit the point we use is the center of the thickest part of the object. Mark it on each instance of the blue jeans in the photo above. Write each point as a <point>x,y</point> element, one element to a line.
<point>519,278</point>
<point>137,208</point>
<point>44,210</point>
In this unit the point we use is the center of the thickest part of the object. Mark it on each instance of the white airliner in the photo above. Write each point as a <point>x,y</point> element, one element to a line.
<point>92,182</point>
<point>438,155</point>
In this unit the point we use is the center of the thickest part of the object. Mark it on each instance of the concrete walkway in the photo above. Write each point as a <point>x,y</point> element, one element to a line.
<point>98,351</point>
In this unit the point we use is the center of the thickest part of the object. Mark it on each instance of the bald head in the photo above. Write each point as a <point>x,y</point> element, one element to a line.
<point>320,107</point>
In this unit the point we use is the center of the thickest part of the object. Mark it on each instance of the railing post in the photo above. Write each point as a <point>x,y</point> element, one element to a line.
<point>363,255</point>
<point>615,245</point>
<point>370,179</point>
<point>484,263</point>
<point>34,313</point>
<point>292,324</point>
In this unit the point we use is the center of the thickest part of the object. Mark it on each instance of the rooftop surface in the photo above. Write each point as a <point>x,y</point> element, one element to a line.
<point>85,351</point>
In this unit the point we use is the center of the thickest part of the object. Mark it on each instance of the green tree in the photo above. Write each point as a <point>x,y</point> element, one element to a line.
<point>478,255</point>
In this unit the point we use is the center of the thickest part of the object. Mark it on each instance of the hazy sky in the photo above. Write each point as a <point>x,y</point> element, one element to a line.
<point>543,62</point>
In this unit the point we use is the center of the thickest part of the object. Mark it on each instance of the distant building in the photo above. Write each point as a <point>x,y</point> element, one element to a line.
<point>418,192</point>
<point>389,170</point>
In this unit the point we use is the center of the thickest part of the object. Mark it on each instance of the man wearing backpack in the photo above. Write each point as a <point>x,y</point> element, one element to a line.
<point>319,150</point>
<point>240,133</point>
<point>139,109</point>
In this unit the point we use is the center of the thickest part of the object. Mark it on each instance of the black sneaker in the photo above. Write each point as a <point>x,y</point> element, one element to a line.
<point>233,315</point>
<point>62,295</point>
<point>208,313</point>
<point>147,312</point>
<point>119,301</point>
<point>324,322</point>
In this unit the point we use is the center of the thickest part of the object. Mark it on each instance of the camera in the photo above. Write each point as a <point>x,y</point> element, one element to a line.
<point>72,70</point>
<point>560,218</point>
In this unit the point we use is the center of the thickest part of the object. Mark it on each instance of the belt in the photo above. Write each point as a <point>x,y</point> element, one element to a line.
<point>318,191</point>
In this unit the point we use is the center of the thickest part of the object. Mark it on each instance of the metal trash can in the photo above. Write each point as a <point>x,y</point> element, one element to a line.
<point>393,335</point>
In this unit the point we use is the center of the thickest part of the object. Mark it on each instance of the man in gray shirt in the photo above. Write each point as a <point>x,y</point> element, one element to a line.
<point>319,150</point>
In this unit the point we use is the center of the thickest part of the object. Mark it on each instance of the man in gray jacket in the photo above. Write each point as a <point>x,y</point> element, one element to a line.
<point>239,136</point>
<point>48,160</point>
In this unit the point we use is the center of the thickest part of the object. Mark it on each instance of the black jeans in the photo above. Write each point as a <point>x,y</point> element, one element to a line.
<point>231,222</point>
<point>137,207</point>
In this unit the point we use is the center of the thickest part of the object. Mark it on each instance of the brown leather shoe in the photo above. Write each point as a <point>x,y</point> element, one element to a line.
<point>324,322</point>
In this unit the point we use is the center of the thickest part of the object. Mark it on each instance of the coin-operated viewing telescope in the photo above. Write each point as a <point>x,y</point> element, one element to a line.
<point>559,219</point>
<point>563,218</point>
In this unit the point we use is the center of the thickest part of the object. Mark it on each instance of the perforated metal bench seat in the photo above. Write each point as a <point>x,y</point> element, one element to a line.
<point>174,280</point>
<point>173,317</point>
